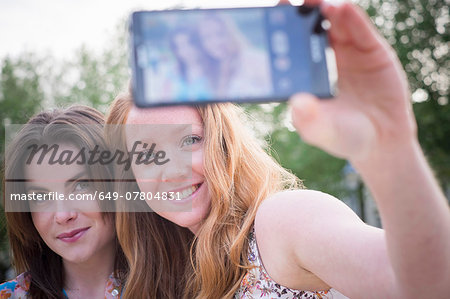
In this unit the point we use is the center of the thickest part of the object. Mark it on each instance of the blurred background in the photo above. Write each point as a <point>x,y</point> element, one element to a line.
<point>61,52</point>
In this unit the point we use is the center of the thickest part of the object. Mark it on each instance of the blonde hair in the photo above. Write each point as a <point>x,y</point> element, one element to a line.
<point>239,176</point>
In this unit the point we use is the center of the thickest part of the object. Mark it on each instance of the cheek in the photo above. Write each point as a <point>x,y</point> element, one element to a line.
<point>90,207</point>
<point>108,231</point>
<point>140,173</point>
<point>145,187</point>
<point>197,163</point>
<point>41,222</point>
<point>95,215</point>
<point>105,226</point>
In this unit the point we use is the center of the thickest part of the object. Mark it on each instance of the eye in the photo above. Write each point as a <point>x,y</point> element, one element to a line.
<point>39,200</point>
<point>39,197</point>
<point>82,186</point>
<point>191,140</point>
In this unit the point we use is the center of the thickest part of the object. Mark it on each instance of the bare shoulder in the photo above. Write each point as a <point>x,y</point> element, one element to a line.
<point>304,234</point>
<point>303,218</point>
<point>303,215</point>
<point>303,206</point>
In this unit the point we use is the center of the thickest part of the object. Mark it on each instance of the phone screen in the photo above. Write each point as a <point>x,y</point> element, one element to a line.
<point>241,54</point>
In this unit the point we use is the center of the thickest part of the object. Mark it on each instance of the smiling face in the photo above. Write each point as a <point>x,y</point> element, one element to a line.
<point>77,231</point>
<point>179,133</point>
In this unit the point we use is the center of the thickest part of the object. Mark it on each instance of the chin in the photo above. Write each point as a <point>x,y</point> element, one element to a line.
<point>75,257</point>
<point>75,260</point>
<point>182,218</point>
<point>191,220</point>
<point>192,216</point>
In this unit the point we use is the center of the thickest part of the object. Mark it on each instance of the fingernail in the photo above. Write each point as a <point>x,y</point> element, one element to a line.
<point>327,9</point>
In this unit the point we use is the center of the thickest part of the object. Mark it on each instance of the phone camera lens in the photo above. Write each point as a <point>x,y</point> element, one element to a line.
<point>305,9</point>
<point>320,26</point>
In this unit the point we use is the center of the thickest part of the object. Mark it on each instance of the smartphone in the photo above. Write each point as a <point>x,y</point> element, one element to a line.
<point>256,54</point>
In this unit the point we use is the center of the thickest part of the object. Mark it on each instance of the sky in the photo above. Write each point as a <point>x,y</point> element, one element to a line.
<point>59,27</point>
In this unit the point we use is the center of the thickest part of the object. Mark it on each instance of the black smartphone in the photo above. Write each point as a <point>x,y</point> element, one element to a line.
<point>256,54</point>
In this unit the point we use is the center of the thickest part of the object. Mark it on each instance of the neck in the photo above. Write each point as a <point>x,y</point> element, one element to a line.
<point>89,277</point>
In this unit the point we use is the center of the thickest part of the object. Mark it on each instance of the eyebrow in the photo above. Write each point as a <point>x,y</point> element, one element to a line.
<point>68,182</point>
<point>191,128</point>
<point>34,188</point>
<point>180,128</point>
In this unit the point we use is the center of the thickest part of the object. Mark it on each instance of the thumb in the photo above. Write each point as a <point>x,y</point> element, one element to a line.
<point>336,128</point>
<point>310,120</point>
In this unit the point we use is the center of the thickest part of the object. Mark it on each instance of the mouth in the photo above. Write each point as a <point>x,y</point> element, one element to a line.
<point>187,192</point>
<point>72,236</point>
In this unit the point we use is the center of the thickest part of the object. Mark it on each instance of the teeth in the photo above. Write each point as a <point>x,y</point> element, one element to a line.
<point>187,192</point>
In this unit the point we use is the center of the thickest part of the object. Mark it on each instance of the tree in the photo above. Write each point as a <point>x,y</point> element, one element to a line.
<point>92,78</point>
<point>317,169</point>
<point>418,30</point>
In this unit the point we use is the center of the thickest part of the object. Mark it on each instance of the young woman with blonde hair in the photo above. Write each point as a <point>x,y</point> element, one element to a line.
<point>232,156</point>
<point>245,237</point>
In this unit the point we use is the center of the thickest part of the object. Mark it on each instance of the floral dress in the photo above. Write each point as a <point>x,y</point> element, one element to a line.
<point>257,283</point>
<point>18,288</point>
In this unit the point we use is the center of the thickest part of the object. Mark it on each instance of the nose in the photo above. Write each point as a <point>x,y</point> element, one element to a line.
<point>179,168</point>
<point>62,217</point>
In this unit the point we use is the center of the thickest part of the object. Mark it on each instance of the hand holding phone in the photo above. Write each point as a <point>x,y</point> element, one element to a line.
<point>240,54</point>
<point>372,113</point>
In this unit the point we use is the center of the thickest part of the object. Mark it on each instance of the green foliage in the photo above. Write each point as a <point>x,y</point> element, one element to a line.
<point>317,169</point>
<point>94,79</point>
<point>21,91</point>
<point>418,30</point>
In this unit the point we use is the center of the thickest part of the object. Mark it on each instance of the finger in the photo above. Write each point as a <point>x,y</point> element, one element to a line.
<point>301,2</point>
<point>350,24</point>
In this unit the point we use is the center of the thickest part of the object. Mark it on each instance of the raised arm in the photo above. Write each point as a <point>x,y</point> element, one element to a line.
<point>371,124</point>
